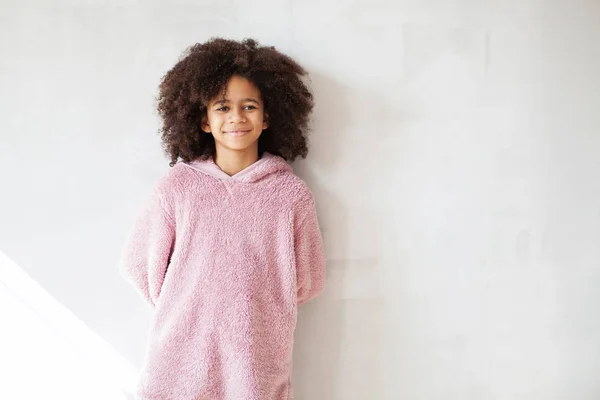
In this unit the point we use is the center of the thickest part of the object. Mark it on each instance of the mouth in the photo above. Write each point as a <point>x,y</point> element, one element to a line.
<point>239,132</point>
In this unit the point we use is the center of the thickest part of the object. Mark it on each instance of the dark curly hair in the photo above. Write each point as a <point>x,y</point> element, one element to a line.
<point>202,73</point>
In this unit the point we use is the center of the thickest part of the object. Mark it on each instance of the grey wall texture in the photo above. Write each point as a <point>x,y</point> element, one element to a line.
<point>454,158</point>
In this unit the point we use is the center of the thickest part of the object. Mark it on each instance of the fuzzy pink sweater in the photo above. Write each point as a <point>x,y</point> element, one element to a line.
<point>224,261</point>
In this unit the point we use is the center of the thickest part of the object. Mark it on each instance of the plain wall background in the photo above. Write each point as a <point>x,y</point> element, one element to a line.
<point>454,158</point>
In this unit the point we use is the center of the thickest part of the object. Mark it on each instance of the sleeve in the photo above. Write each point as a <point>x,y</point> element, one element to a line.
<point>147,251</point>
<point>309,253</point>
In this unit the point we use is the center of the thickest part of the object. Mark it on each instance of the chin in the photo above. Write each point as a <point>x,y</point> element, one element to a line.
<point>238,146</point>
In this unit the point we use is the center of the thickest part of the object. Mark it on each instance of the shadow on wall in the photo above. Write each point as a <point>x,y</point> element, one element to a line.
<point>355,130</point>
<point>317,349</point>
<point>337,353</point>
<point>338,350</point>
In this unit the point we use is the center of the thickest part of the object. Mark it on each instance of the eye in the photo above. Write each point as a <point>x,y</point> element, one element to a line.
<point>250,107</point>
<point>224,108</point>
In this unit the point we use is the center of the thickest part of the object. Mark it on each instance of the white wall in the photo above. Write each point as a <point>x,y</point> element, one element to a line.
<point>454,160</point>
<point>47,353</point>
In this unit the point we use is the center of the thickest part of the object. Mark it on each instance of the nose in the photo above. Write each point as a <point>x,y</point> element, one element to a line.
<point>236,116</point>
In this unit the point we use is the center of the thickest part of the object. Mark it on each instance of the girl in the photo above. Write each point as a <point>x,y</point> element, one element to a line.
<point>229,244</point>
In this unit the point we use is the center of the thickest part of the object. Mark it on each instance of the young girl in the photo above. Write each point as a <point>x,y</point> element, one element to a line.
<point>229,244</point>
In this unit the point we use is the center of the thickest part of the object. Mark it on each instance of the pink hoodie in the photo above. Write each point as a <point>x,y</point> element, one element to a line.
<point>224,261</point>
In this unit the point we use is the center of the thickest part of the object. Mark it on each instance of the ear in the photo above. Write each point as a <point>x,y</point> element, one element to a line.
<point>265,121</point>
<point>204,124</point>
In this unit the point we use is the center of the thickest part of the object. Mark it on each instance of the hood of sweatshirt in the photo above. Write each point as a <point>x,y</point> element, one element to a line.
<point>267,165</point>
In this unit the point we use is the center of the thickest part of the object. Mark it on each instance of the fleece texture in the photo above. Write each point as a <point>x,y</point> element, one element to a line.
<point>224,261</point>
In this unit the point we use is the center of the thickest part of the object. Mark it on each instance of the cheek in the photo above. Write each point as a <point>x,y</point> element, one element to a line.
<point>258,120</point>
<point>214,119</point>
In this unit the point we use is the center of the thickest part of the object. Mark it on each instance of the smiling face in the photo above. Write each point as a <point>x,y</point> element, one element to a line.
<point>237,119</point>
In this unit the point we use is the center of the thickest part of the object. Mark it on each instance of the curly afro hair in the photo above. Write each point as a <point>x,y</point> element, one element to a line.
<point>202,73</point>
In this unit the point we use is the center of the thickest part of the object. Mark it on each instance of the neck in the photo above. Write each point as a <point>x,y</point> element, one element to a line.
<point>231,162</point>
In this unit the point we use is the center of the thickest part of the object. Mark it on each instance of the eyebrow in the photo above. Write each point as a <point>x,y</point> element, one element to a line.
<point>222,101</point>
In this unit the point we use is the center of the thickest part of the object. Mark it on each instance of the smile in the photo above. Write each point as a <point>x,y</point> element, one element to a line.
<point>237,133</point>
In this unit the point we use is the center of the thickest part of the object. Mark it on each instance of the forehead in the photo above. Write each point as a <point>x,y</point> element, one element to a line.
<point>239,89</point>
